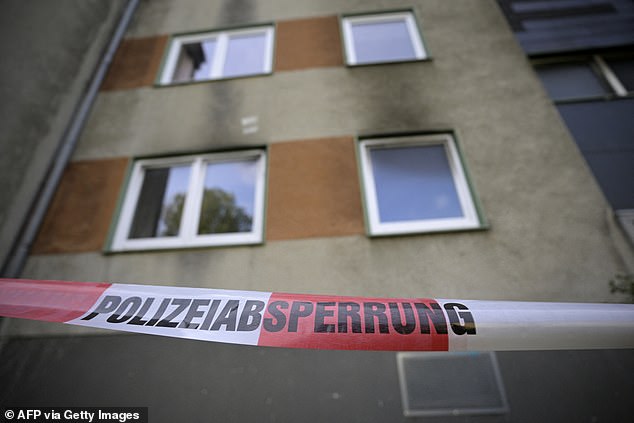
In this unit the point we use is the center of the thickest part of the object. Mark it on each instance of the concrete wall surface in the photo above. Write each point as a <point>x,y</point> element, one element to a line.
<point>49,51</point>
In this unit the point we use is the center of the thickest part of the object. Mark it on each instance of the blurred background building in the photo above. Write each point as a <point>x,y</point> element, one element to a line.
<point>276,146</point>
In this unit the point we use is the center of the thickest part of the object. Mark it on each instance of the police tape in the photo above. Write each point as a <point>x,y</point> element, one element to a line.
<point>321,321</point>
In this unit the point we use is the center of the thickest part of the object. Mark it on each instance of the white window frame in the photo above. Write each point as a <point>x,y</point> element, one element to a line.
<point>470,218</point>
<point>188,236</point>
<point>407,17</point>
<point>220,53</point>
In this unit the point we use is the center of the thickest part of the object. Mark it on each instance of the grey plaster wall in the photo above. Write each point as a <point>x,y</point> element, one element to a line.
<point>164,16</point>
<point>538,264</point>
<point>48,51</point>
<point>476,67</point>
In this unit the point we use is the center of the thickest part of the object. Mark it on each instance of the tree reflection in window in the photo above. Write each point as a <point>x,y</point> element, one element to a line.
<point>210,199</point>
<point>220,214</point>
<point>172,216</point>
<point>228,197</point>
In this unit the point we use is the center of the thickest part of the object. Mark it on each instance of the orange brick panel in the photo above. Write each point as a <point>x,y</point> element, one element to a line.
<point>313,190</point>
<point>308,43</point>
<point>81,210</point>
<point>135,64</point>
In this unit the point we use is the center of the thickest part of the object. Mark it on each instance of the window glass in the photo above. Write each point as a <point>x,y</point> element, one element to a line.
<point>600,124</point>
<point>571,80</point>
<point>245,55</point>
<point>160,205</point>
<point>603,131</point>
<point>382,41</point>
<point>414,183</point>
<point>228,197</point>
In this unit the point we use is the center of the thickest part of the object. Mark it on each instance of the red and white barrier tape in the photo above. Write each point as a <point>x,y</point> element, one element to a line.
<point>321,321</point>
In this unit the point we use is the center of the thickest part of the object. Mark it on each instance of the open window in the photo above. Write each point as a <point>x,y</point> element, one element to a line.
<point>190,201</point>
<point>218,55</point>
<point>587,77</point>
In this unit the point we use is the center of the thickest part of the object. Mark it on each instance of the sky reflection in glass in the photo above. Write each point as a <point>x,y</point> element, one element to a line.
<point>414,183</point>
<point>245,55</point>
<point>382,42</point>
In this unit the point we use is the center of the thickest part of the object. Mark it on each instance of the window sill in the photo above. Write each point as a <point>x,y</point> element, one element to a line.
<point>108,251</point>
<point>480,228</point>
<point>390,62</point>
<point>207,81</point>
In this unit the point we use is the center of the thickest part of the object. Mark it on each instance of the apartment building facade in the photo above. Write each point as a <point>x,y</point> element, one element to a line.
<point>369,148</point>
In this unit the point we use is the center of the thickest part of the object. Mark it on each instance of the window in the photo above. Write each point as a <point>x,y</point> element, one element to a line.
<point>415,184</point>
<point>390,37</point>
<point>213,199</point>
<point>217,55</point>
<point>589,77</point>
<point>474,388</point>
<point>572,80</point>
<point>595,97</point>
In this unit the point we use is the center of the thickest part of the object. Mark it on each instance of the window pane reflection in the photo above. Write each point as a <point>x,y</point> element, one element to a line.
<point>245,55</point>
<point>414,183</point>
<point>228,197</point>
<point>382,41</point>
